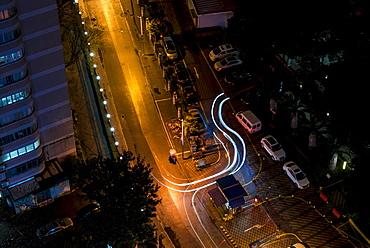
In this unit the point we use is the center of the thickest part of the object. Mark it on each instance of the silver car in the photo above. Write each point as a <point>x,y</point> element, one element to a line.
<point>270,144</point>
<point>298,177</point>
<point>227,63</point>
<point>170,48</point>
<point>223,51</point>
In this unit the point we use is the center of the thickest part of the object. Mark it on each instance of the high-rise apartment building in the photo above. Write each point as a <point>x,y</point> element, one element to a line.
<point>35,115</point>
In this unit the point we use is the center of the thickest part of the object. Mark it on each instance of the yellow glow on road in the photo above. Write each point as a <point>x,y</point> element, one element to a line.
<point>127,56</point>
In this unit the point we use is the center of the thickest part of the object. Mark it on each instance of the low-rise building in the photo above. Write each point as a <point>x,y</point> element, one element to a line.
<point>211,13</point>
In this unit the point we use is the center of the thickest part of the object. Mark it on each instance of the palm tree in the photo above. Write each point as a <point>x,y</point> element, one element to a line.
<point>316,127</point>
<point>295,107</point>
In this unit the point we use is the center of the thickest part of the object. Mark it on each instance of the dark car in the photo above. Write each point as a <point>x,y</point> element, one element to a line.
<point>190,95</point>
<point>239,78</point>
<point>54,227</point>
<point>181,72</point>
<point>87,210</point>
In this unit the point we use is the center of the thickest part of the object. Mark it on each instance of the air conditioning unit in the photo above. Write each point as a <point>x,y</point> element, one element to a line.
<point>4,183</point>
<point>2,176</point>
<point>2,167</point>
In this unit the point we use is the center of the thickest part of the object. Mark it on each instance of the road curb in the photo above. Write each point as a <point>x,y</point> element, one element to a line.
<point>228,236</point>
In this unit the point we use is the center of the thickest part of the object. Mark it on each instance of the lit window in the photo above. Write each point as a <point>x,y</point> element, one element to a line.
<point>29,148</point>
<point>14,154</point>
<point>21,151</point>
<point>5,157</point>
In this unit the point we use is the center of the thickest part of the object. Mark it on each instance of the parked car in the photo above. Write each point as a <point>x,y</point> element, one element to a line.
<point>87,210</point>
<point>190,95</point>
<point>182,73</point>
<point>270,144</point>
<point>223,51</point>
<point>299,245</point>
<point>298,177</point>
<point>54,227</point>
<point>170,48</point>
<point>249,121</point>
<point>227,63</point>
<point>239,78</point>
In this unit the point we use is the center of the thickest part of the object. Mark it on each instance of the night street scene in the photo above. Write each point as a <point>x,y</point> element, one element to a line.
<point>184,124</point>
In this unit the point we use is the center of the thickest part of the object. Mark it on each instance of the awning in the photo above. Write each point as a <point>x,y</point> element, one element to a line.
<point>237,202</point>
<point>232,190</point>
<point>217,197</point>
<point>226,181</point>
<point>235,191</point>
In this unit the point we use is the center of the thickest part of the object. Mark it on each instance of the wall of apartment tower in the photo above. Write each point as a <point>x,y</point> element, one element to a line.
<point>35,114</point>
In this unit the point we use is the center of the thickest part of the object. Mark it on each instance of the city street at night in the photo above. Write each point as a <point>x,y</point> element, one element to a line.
<point>196,122</point>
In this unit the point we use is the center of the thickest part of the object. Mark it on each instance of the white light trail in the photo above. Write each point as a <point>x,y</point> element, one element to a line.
<point>229,166</point>
<point>187,216</point>
<point>200,221</point>
<point>237,135</point>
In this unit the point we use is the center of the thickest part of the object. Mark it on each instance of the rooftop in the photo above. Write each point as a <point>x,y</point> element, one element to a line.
<point>212,6</point>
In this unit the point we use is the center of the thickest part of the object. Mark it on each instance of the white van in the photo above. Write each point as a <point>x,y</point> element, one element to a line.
<point>249,121</point>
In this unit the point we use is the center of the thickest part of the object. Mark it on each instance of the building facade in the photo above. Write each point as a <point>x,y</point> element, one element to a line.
<point>211,13</point>
<point>35,114</point>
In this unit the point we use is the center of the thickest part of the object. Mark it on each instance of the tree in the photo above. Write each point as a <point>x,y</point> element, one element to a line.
<point>75,36</point>
<point>340,151</point>
<point>127,195</point>
<point>316,128</point>
<point>295,107</point>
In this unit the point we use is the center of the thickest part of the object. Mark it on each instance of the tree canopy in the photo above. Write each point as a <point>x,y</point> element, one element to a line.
<point>127,195</point>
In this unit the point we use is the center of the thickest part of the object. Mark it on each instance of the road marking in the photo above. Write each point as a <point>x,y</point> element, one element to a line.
<point>255,226</point>
<point>162,100</point>
<point>196,72</point>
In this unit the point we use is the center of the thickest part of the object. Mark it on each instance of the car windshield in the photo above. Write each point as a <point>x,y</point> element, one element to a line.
<point>276,147</point>
<point>217,50</point>
<point>170,46</point>
<point>300,176</point>
<point>227,60</point>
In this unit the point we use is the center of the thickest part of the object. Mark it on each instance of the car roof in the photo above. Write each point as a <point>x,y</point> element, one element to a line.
<point>231,58</point>
<point>271,139</point>
<point>295,168</point>
<point>226,46</point>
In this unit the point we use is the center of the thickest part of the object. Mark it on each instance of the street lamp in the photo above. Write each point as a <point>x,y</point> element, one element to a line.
<point>141,23</point>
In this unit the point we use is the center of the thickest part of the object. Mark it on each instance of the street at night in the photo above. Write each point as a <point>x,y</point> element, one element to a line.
<point>150,85</point>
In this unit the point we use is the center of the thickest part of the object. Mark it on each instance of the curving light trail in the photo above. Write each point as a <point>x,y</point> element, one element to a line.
<point>237,135</point>
<point>233,166</point>
<point>187,216</point>
<point>200,221</point>
<point>182,190</point>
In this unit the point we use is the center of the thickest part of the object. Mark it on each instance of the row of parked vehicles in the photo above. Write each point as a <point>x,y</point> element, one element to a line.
<point>226,57</point>
<point>252,124</point>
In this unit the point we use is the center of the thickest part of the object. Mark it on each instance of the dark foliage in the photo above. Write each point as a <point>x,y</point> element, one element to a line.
<point>127,195</point>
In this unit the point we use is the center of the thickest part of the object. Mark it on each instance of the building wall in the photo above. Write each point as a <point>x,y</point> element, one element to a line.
<point>212,19</point>
<point>35,114</point>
